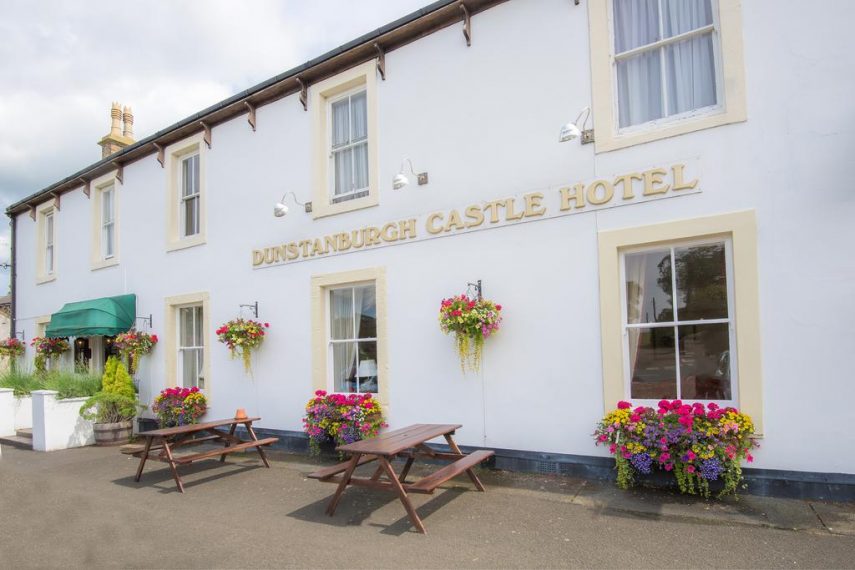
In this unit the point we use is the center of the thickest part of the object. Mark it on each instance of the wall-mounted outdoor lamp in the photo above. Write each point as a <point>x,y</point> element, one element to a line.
<point>280,209</point>
<point>400,180</point>
<point>571,131</point>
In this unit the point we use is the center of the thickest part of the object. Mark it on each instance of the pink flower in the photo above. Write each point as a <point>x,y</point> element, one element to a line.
<point>635,418</point>
<point>612,448</point>
<point>664,457</point>
<point>691,455</point>
<point>640,410</point>
<point>669,466</point>
<point>623,405</point>
<point>749,458</point>
<point>690,468</point>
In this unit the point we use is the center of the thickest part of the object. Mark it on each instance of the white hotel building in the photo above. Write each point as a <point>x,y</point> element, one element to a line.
<point>722,137</point>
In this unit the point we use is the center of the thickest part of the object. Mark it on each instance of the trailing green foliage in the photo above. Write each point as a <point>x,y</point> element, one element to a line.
<point>67,384</point>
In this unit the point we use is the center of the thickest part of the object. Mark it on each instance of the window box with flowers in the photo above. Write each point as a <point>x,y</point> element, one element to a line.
<point>698,444</point>
<point>244,336</point>
<point>179,406</point>
<point>471,321</point>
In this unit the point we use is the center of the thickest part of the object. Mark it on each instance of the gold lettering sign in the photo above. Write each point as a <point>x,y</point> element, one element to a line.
<point>630,187</point>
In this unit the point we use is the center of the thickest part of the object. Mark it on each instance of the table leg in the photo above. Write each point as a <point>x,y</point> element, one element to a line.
<point>402,494</point>
<point>143,458</point>
<point>172,465</point>
<point>406,470</point>
<point>228,443</point>
<point>470,472</point>
<point>258,447</point>
<point>345,480</point>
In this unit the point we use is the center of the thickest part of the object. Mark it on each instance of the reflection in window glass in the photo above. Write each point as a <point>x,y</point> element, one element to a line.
<point>353,338</point>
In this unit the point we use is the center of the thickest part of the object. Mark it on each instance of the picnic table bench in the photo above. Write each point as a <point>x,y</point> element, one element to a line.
<point>167,440</point>
<point>409,442</point>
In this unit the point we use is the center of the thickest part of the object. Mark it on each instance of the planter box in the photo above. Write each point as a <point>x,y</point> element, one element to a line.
<point>113,434</point>
<point>57,423</point>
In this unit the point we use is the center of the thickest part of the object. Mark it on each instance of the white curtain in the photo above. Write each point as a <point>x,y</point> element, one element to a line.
<point>690,64</point>
<point>635,272</point>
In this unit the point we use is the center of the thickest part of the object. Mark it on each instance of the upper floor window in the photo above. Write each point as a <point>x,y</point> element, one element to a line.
<point>49,252</point>
<point>190,196</point>
<point>665,58</point>
<point>678,321</point>
<point>661,68</point>
<point>108,222</point>
<point>349,146</point>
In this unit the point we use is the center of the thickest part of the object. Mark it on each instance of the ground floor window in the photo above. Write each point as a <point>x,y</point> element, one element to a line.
<point>191,347</point>
<point>678,321</point>
<point>353,338</point>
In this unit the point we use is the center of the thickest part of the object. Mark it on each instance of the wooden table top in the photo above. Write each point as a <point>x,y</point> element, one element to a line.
<point>396,441</point>
<point>190,428</point>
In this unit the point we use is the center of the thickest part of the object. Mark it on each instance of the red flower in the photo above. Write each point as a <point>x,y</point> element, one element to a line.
<point>623,405</point>
<point>498,307</point>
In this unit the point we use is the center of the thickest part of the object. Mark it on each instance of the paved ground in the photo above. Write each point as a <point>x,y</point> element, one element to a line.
<point>82,508</point>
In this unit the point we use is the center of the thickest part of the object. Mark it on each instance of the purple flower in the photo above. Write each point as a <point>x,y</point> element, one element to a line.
<point>710,469</point>
<point>642,462</point>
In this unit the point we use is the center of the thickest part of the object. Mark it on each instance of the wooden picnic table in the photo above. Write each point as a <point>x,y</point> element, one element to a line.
<point>167,440</point>
<point>409,442</point>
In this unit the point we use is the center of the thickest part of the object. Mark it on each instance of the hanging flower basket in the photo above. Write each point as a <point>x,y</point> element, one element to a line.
<point>471,321</point>
<point>134,344</point>
<point>179,406</point>
<point>244,336</point>
<point>48,348</point>
<point>697,444</point>
<point>11,348</point>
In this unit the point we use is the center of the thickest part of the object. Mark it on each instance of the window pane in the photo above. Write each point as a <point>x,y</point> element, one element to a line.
<point>359,116</point>
<point>701,282</point>
<point>690,66</point>
<point>341,314</point>
<point>189,368</point>
<point>49,259</point>
<point>107,206</point>
<point>366,311</point>
<point>360,166</point>
<point>108,240</point>
<point>681,16</point>
<point>185,318</point>
<point>49,229</point>
<point>652,363</point>
<point>340,122</point>
<point>705,362</point>
<point>344,366</point>
<point>648,287</point>
<point>636,23</point>
<point>640,88</point>
<point>191,216</point>
<point>343,171</point>
<point>200,353</point>
<point>367,367</point>
<point>186,177</point>
<point>198,338</point>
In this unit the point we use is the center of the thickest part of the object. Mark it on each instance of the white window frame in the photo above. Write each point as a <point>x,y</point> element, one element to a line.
<point>50,242</point>
<point>730,80</point>
<point>175,214</point>
<point>331,381</point>
<point>357,192</point>
<point>195,197</point>
<point>108,249</point>
<point>660,45</point>
<point>730,320</point>
<point>199,351</point>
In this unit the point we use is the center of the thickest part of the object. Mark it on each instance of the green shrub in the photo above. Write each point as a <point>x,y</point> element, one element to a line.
<point>23,383</point>
<point>109,408</point>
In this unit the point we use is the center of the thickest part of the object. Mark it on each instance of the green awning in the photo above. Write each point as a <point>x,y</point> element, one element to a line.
<point>106,316</point>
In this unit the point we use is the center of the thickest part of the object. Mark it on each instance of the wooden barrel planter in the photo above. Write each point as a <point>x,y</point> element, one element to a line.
<point>113,434</point>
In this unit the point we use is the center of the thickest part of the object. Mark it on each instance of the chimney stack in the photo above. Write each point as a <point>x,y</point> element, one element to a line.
<point>121,131</point>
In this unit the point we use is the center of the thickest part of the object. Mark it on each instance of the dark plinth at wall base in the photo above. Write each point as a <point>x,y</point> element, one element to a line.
<point>762,482</point>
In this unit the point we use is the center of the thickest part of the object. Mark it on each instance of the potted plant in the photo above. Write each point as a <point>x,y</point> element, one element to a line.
<point>471,321</point>
<point>244,336</point>
<point>179,406</point>
<point>47,349</point>
<point>698,444</point>
<point>12,348</point>
<point>112,408</point>
<point>341,419</point>
<point>134,344</point>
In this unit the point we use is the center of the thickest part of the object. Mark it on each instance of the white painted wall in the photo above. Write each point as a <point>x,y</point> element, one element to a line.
<point>7,411</point>
<point>483,121</point>
<point>57,423</point>
<point>23,409</point>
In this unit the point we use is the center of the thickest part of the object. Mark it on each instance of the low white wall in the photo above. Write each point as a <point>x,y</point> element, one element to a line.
<point>57,423</point>
<point>7,411</point>
<point>23,412</point>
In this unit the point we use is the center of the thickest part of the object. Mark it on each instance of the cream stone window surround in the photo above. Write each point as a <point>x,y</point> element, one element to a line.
<point>172,305</point>
<point>321,95</point>
<point>41,325</point>
<point>741,229</point>
<point>43,273</point>
<point>731,72</point>
<point>98,258</point>
<point>320,287</point>
<point>175,154</point>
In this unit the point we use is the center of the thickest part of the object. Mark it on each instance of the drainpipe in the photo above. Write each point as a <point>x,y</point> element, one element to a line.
<point>13,274</point>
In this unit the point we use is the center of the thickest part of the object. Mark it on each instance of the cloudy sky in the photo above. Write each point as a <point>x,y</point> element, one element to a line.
<point>65,61</point>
